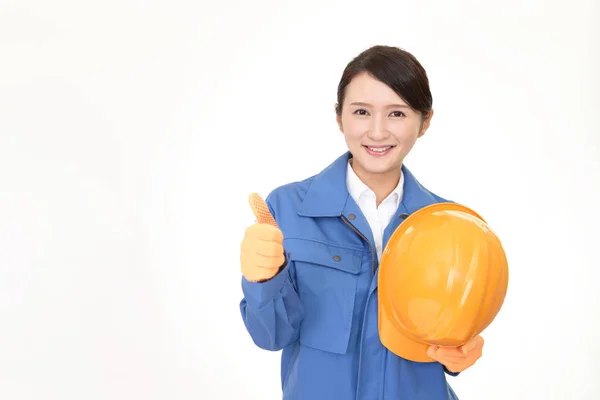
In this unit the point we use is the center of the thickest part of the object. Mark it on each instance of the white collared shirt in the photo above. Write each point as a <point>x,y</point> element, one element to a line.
<point>377,217</point>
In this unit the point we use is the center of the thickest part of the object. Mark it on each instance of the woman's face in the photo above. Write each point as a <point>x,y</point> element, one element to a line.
<point>379,127</point>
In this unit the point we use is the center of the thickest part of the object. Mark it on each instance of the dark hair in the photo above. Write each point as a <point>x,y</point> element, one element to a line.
<point>395,67</point>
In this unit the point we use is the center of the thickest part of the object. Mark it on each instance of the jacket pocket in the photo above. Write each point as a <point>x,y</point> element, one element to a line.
<point>326,280</point>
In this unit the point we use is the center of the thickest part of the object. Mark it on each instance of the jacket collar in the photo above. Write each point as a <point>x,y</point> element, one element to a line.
<point>328,194</point>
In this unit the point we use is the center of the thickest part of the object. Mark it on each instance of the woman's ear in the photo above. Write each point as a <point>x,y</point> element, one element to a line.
<point>338,117</point>
<point>426,123</point>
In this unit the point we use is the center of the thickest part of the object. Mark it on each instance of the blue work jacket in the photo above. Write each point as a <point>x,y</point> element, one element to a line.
<point>321,309</point>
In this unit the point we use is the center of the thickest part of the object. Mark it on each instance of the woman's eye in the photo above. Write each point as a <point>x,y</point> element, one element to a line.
<point>398,114</point>
<point>360,112</point>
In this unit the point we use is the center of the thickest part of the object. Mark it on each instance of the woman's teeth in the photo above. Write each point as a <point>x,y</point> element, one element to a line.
<point>380,149</point>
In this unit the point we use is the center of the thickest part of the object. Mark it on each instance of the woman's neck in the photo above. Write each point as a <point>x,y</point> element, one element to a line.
<point>382,184</point>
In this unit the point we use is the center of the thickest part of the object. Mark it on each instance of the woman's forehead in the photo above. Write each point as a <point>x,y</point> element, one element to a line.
<point>366,90</point>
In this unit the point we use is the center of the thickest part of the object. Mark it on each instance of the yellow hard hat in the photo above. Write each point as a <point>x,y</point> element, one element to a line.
<point>442,280</point>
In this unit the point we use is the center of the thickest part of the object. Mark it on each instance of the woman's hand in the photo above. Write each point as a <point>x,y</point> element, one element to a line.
<point>457,359</point>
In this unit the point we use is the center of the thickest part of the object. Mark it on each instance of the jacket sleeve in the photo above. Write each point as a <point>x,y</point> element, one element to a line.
<point>272,311</point>
<point>446,370</point>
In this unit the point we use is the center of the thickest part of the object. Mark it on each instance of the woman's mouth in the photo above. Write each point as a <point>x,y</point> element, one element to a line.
<point>378,151</point>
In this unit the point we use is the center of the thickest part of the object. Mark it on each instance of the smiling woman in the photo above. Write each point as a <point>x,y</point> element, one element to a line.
<point>310,276</point>
<point>379,125</point>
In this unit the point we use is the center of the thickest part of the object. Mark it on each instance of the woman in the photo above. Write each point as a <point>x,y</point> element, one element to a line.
<point>310,283</point>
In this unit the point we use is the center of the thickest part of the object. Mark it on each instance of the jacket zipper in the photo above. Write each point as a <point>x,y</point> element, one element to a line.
<point>367,304</point>
<point>366,240</point>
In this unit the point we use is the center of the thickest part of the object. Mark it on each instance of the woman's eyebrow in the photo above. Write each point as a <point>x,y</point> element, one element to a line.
<point>360,103</point>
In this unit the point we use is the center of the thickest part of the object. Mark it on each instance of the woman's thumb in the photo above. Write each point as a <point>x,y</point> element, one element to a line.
<point>261,210</point>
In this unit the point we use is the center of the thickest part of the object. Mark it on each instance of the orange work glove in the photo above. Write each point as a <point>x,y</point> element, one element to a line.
<point>262,254</point>
<point>457,359</point>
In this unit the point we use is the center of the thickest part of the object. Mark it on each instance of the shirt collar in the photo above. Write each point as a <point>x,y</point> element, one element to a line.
<point>357,188</point>
<point>326,193</point>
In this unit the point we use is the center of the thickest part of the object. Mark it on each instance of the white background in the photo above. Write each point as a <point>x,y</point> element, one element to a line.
<point>132,132</point>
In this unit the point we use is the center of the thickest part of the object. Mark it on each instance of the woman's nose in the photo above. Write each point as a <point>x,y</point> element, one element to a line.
<point>378,129</point>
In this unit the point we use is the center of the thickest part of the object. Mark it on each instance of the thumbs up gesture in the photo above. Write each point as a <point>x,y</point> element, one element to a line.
<point>262,253</point>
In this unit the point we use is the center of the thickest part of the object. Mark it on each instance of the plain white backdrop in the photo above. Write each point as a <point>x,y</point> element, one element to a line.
<point>132,132</point>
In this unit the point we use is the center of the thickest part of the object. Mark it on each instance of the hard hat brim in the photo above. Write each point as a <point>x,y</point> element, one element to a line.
<point>399,344</point>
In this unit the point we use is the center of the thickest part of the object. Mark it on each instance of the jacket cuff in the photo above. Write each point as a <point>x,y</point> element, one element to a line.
<point>450,373</point>
<point>259,293</point>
